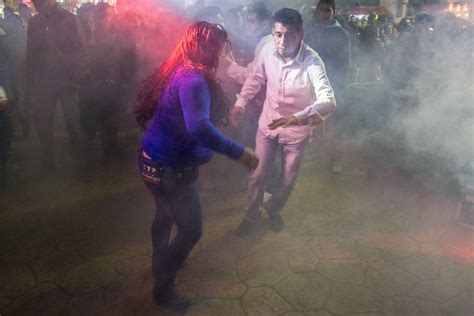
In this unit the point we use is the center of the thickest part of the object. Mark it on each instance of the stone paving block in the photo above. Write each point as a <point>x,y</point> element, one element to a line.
<point>86,277</point>
<point>47,267</point>
<point>349,271</point>
<point>345,227</point>
<point>302,222</point>
<point>302,260</point>
<point>293,313</point>
<point>461,304</point>
<point>434,290</point>
<point>334,247</point>
<point>387,221</point>
<point>395,245</point>
<point>4,302</point>
<point>217,307</point>
<point>45,299</point>
<point>16,280</point>
<point>460,275</point>
<point>412,306</point>
<point>264,301</point>
<point>221,286</point>
<point>424,267</point>
<point>263,269</point>
<point>133,265</point>
<point>345,299</point>
<point>218,239</point>
<point>206,262</point>
<point>369,254</point>
<point>304,291</point>
<point>388,279</point>
<point>32,248</point>
<point>189,288</point>
<point>84,305</point>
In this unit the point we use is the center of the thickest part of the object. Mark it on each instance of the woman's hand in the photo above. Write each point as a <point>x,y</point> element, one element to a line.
<point>248,159</point>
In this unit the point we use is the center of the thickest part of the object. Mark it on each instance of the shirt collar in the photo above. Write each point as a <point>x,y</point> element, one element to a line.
<point>299,58</point>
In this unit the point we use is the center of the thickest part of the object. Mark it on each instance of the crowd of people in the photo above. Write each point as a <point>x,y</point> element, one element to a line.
<point>94,67</point>
<point>283,72</point>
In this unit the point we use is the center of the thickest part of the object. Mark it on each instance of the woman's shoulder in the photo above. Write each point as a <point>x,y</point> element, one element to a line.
<point>188,73</point>
<point>189,78</point>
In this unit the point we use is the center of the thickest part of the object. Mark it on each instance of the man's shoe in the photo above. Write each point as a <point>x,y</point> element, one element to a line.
<point>172,300</point>
<point>276,223</point>
<point>244,228</point>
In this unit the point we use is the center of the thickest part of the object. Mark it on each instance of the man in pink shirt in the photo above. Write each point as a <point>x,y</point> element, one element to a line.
<point>298,97</point>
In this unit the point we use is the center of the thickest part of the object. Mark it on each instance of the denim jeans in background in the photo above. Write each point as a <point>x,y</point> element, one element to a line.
<point>292,157</point>
<point>177,202</point>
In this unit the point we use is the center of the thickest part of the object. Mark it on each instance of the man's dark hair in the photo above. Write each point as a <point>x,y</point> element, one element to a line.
<point>332,3</point>
<point>289,17</point>
<point>261,13</point>
<point>7,11</point>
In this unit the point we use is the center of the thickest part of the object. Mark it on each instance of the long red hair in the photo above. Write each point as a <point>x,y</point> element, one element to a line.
<point>199,50</point>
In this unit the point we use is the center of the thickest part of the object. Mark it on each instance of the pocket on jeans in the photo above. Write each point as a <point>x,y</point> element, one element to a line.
<point>151,172</point>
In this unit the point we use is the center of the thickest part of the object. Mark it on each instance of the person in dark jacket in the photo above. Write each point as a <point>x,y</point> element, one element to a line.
<point>103,89</point>
<point>327,37</point>
<point>181,103</point>
<point>6,127</point>
<point>56,61</point>
<point>15,49</point>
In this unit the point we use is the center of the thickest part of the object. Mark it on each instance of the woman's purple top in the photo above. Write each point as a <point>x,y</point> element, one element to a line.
<point>181,133</point>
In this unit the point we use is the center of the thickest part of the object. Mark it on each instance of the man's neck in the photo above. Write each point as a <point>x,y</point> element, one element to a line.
<point>292,56</point>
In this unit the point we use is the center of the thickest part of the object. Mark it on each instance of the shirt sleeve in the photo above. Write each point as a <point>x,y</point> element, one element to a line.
<point>325,102</point>
<point>196,103</point>
<point>256,77</point>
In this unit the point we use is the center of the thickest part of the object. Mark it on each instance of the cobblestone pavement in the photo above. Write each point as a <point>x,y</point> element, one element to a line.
<point>351,245</point>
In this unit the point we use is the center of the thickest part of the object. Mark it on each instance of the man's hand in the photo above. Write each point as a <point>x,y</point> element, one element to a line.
<point>315,120</point>
<point>248,159</point>
<point>3,105</point>
<point>235,115</point>
<point>283,122</point>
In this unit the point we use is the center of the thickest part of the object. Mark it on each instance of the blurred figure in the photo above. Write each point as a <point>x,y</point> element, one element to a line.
<point>56,62</point>
<point>332,43</point>
<point>194,6</point>
<point>25,12</point>
<point>259,27</point>
<point>86,17</point>
<point>15,49</point>
<point>102,90</point>
<point>6,127</point>
<point>327,37</point>
<point>211,15</point>
<point>181,103</point>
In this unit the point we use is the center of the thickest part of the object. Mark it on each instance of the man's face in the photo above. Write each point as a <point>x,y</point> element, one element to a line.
<point>8,3</point>
<point>324,13</point>
<point>255,27</point>
<point>43,5</point>
<point>287,39</point>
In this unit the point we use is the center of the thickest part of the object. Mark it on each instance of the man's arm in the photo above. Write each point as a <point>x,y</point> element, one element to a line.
<point>321,109</point>
<point>256,79</point>
<point>325,102</point>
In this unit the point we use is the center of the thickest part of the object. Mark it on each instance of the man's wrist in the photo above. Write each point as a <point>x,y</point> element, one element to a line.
<point>241,102</point>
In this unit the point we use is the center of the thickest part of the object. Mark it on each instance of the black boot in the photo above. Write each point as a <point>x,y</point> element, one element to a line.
<point>165,295</point>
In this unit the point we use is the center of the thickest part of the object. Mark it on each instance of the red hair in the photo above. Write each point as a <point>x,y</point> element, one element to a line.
<point>199,50</point>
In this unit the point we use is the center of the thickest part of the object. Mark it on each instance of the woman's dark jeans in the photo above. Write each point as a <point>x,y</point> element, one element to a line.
<point>177,202</point>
